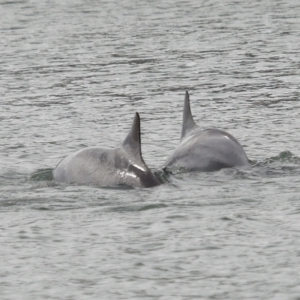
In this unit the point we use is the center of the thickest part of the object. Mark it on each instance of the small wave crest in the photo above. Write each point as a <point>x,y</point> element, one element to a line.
<point>283,157</point>
<point>42,175</point>
<point>283,164</point>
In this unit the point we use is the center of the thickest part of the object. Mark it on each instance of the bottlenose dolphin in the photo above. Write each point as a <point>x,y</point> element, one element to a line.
<point>204,150</point>
<point>109,167</point>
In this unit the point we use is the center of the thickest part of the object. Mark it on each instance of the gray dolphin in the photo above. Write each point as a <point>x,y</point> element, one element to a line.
<point>109,167</point>
<point>204,150</point>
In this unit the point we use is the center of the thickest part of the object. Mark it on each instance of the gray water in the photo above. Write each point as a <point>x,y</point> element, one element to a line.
<point>72,75</point>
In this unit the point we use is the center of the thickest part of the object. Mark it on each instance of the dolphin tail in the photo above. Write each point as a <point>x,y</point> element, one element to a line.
<point>187,119</point>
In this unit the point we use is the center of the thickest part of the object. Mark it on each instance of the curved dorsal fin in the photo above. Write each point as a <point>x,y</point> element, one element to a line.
<point>133,140</point>
<point>187,118</point>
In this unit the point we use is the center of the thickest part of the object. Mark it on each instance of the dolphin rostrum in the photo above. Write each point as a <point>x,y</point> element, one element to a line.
<point>204,150</point>
<point>109,167</point>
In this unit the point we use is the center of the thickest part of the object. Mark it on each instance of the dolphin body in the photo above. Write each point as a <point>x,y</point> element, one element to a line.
<point>204,150</point>
<point>109,167</point>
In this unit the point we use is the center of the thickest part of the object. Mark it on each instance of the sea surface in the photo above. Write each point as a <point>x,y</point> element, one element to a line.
<point>72,75</point>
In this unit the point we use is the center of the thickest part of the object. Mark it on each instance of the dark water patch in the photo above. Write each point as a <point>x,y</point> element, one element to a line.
<point>177,217</point>
<point>283,157</point>
<point>226,219</point>
<point>14,147</point>
<point>273,101</point>
<point>249,200</point>
<point>248,54</point>
<point>238,173</point>
<point>246,217</point>
<point>14,28</point>
<point>42,175</point>
<point>141,61</point>
<point>176,170</point>
<point>56,206</point>
<point>163,175</point>
<point>152,206</point>
<point>137,207</point>
<point>12,2</point>
<point>204,203</point>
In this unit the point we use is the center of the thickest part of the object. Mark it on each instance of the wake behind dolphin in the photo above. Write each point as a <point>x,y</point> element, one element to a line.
<point>109,167</point>
<point>204,150</point>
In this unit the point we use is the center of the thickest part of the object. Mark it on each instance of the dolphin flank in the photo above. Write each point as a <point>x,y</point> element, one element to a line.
<point>204,150</point>
<point>109,167</point>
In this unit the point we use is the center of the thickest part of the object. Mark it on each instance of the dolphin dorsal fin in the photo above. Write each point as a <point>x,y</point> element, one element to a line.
<point>187,118</point>
<point>132,142</point>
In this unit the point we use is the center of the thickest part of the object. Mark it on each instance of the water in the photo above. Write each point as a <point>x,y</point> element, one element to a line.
<point>73,73</point>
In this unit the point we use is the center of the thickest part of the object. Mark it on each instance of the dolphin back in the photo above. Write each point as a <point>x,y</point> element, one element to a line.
<point>204,150</point>
<point>109,167</point>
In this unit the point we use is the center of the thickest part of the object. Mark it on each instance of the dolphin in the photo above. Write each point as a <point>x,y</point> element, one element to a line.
<point>204,149</point>
<point>109,167</point>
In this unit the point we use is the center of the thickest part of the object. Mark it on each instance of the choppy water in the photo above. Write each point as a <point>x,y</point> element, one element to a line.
<point>72,74</point>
